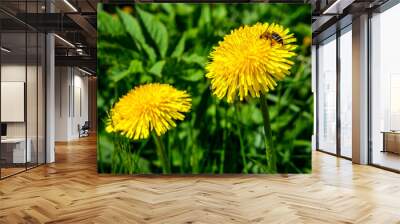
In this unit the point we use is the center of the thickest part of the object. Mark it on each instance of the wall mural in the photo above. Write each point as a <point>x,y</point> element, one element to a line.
<point>204,88</point>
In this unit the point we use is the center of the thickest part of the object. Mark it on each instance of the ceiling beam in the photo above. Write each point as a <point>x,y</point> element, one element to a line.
<point>79,61</point>
<point>86,26</point>
<point>337,6</point>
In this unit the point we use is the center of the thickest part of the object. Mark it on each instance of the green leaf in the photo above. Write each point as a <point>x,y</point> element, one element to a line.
<point>157,68</point>
<point>302,143</point>
<point>205,17</point>
<point>184,9</point>
<point>169,9</point>
<point>100,101</point>
<point>132,26</point>
<point>192,33</point>
<point>219,14</point>
<point>180,47</point>
<point>150,52</point>
<point>135,66</point>
<point>109,25</point>
<point>116,77</point>
<point>157,30</point>
<point>193,75</point>
<point>195,59</point>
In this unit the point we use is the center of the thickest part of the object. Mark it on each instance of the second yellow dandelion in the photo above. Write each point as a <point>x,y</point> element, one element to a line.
<point>250,60</point>
<point>146,108</point>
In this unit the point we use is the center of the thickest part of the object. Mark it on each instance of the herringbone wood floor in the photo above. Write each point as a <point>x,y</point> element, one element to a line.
<point>70,191</point>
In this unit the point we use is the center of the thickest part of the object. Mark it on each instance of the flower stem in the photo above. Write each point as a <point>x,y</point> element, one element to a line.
<point>242,149</point>
<point>162,154</point>
<point>269,148</point>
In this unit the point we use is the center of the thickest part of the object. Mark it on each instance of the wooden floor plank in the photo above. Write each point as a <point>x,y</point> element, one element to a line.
<point>70,191</point>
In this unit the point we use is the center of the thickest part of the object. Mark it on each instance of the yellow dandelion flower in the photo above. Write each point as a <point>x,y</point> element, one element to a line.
<point>250,60</point>
<point>146,108</point>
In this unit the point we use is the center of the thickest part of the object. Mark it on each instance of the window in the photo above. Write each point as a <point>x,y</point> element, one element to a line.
<point>327,95</point>
<point>385,89</point>
<point>346,92</point>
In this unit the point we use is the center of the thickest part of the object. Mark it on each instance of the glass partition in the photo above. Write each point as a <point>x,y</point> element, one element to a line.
<point>22,101</point>
<point>327,95</point>
<point>346,92</point>
<point>13,94</point>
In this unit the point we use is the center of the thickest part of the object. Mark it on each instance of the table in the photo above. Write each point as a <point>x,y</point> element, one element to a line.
<point>391,141</point>
<point>16,147</point>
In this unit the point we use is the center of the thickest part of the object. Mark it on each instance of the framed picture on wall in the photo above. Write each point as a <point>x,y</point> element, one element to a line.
<point>204,88</point>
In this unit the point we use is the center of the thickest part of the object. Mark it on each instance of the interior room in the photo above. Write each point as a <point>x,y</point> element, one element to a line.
<point>334,76</point>
<point>27,59</point>
<point>49,125</point>
<point>22,99</point>
<point>385,87</point>
<point>72,86</point>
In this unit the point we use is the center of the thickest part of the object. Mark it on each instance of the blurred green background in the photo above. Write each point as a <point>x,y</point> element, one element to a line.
<point>170,43</point>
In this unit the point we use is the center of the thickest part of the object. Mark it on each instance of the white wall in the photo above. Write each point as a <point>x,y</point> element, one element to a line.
<point>13,72</point>
<point>71,102</point>
<point>62,81</point>
<point>16,73</point>
<point>80,109</point>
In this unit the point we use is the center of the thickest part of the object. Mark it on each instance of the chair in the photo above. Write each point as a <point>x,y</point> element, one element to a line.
<point>84,130</point>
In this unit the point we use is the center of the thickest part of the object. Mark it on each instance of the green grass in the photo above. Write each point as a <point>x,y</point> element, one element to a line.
<point>170,43</point>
